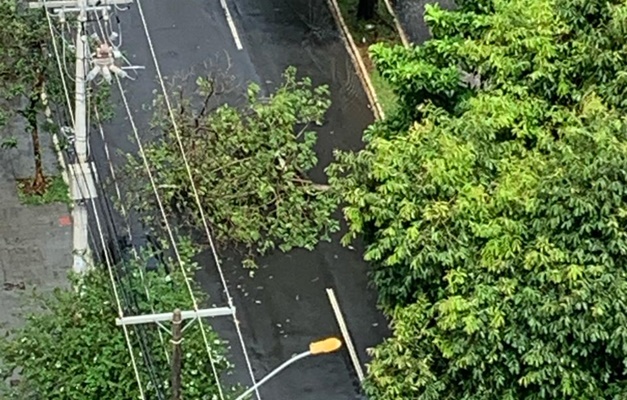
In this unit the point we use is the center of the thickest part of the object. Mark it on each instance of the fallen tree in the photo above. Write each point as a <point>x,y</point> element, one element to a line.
<point>249,166</point>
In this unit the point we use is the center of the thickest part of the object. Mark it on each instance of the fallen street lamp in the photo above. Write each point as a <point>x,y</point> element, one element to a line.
<point>325,346</point>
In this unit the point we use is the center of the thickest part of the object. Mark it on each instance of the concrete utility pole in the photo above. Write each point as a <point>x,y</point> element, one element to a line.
<point>82,257</point>
<point>82,187</point>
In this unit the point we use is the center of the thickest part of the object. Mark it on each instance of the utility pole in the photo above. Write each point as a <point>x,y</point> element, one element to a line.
<point>82,187</point>
<point>82,258</point>
<point>177,317</point>
<point>177,338</point>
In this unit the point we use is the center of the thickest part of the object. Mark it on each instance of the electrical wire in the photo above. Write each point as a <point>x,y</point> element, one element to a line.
<point>130,304</point>
<point>126,218</point>
<point>107,259</point>
<point>170,234</point>
<point>128,293</point>
<point>131,298</point>
<point>119,25</point>
<point>64,42</point>
<point>66,92</point>
<point>112,279</point>
<point>104,37</point>
<point>130,301</point>
<point>196,196</point>
<point>56,53</point>
<point>139,333</point>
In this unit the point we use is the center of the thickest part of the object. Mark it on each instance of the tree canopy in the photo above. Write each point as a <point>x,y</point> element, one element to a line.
<point>501,265</point>
<point>555,49</point>
<point>494,209</point>
<point>249,165</point>
<point>27,69</point>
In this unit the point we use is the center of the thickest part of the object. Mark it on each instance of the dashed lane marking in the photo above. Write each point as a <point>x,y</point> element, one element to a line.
<point>229,21</point>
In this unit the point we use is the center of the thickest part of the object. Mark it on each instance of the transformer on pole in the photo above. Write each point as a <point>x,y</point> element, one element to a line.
<point>82,181</point>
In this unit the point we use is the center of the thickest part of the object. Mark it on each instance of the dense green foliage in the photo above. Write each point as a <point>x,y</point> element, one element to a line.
<point>249,164</point>
<point>27,59</point>
<point>29,73</point>
<point>74,350</point>
<point>555,49</point>
<point>508,258</point>
<point>495,212</point>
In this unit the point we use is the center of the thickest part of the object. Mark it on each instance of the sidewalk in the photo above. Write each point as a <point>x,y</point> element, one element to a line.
<point>35,241</point>
<point>411,17</point>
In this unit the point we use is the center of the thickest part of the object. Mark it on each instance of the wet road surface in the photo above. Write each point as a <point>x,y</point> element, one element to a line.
<point>284,306</point>
<point>411,16</point>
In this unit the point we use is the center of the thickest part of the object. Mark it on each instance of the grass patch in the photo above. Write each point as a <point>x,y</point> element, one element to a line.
<point>56,191</point>
<point>380,29</point>
<point>387,98</point>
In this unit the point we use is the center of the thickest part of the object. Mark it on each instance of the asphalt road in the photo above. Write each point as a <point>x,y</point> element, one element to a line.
<point>411,17</point>
<point>284,306</point>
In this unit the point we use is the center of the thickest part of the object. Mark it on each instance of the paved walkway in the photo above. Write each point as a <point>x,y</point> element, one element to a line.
<point>35,241</point>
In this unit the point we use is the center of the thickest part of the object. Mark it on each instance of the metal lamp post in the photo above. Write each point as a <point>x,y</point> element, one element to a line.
<point>325,346</point>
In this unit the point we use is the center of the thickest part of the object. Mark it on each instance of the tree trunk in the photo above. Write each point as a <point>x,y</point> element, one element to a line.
<point>38,185</point>
<point>366,9</point>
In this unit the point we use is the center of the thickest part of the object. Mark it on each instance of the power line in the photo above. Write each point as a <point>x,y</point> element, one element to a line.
<point>108,262</point>
<point>104,41</point>
<point>131,304</point>
<point>129,301</point>
<point>196,196</point>
<point>170,234</point>
<point>66,92</point>
<point>80,122</point>
<point>128,293</point>
<point>113,285</point>
<point>202,328</point>
<point>124,212</point>
<point>125,215</point>
<point>138,329</point>
<point>148,360</point>
<point>58,58</point>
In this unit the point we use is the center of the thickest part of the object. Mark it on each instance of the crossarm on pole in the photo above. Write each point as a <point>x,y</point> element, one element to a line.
<point>150,318</point>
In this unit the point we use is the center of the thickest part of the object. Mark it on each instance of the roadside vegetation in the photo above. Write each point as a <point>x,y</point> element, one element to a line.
<point>28,74</point>
<point>72,348</point>
<point>493,204</point>
<point>492,201</point>
<point>56,192</point>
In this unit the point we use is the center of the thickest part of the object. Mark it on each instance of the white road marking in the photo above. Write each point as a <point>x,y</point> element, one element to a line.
<point>229,21</point>
<point>347,339</point>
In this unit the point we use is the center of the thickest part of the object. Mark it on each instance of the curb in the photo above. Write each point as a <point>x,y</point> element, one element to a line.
<point>355,56</point>
<point>397,23</point>
<point>55,141</point>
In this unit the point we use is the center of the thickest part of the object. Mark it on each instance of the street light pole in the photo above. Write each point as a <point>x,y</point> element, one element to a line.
<point>273,373</point>
<point>329,345</point>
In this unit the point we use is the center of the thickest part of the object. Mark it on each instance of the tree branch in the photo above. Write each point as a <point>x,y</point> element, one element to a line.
<point>318,186</point>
